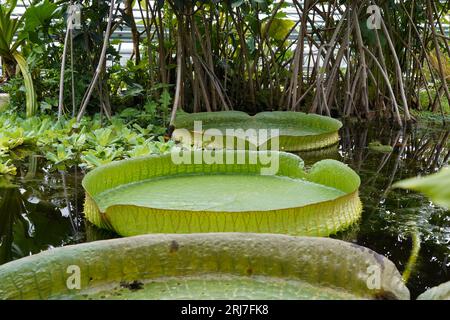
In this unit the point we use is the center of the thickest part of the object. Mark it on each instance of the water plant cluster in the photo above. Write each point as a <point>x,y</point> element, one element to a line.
<point>88,144</point>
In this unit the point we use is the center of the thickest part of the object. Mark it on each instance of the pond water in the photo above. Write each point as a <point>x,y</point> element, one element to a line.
<point>42,208</point>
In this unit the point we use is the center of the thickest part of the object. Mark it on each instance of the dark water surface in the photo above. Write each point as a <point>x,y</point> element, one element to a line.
<point>42,208</point>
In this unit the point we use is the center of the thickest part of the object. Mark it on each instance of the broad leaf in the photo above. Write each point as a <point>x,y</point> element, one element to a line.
<point>297,131</point>
<point>280,28</point>
<point>155,195</point>
<point>435,186</point>
<point>441,292</point>
<point>205,266</point>
<point>39,15</point>
<point>236,3</point>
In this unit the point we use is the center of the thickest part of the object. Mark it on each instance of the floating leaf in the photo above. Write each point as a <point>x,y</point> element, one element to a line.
<point>377,146</point>
<point>297,131</point>
<point>205,266</point>
<point>441,292</point>
<point>156,195</point>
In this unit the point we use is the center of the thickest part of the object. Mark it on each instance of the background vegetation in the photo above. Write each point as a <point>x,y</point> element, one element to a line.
<point>220,55</point>
<point>234,54</point>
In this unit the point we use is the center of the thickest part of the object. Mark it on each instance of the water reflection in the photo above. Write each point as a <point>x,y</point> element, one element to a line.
<point>41,208</point>
<point>392,216</point>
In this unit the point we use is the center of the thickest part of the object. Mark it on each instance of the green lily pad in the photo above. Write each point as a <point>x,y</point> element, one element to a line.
<point>155,195</point>
<point>377,146</point>
<point>435,186</point>
<point>204,266</point>
<point>441,292</point>
<point>297,131</point>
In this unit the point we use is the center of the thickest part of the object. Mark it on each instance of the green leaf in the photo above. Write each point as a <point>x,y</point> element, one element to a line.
<point>205,266</point>
<point>280,28</point>
<point>435,186</point>
<point>298,131</point>
<point>103,137</point>
<point>151,107</point>
<point>62,154</point>
<point>134,90</point>
<point>441,292</point>
<point>39,15</point>
<point>31,100</point>
<point>377,146</point>
<point>7,168</point>
<point>155,195</point>
<point>236,3</point>
<point>165,99</point>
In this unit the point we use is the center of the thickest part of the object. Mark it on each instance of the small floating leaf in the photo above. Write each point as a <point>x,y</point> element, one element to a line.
<point>377,146</point>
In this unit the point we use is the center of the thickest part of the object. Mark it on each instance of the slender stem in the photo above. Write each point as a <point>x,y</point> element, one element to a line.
<point>100,63</point>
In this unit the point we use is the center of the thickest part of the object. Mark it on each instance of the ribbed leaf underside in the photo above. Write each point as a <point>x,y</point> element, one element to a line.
<point>298,131</point>
<point>205,266</point>
<point>316,218</point>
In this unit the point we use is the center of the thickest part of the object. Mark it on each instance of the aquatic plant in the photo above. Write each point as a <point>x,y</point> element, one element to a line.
<point>377,146</point>
<point>156,195</point>
<point>297,131</point>
<point>441,292</point>
<point>88,144</point>
<point>7,168</point>
<point>62,154</point>
<point>205,266</point>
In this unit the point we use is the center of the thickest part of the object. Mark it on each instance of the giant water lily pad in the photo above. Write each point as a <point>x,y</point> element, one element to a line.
<point>441,292</point>
<point>155,195</point>
<point>297,131</point>
<point>205,266</point>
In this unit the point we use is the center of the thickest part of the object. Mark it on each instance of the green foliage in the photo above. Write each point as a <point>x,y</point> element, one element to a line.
<point>426,102</point>
<point>39,15</point>
<point>244,50</point>
<point>297,131</point>
<point>377,146</point>
<point>441,292</point>
<point>435,186</point>
<point>329,188</point>
<point>207,266</point>
<point>6,168</point>
<point>62,154</point>
<point>280,28</point>
<point>88,144</point>
<point>9,28</point>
